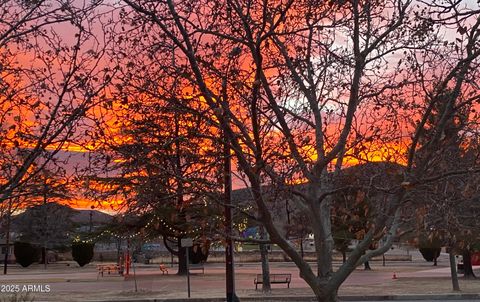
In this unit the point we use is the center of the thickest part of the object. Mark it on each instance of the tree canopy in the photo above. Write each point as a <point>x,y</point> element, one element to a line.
<point>297,90</point>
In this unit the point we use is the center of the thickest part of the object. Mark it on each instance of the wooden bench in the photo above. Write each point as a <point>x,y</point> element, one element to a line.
<point>108,268</point>
<point>274,278</point>
<point>196,267</point>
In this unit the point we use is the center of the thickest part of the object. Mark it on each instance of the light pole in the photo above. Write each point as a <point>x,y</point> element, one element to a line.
<point>229,260</point>
<point>227,178</point>
<point>187,243</point>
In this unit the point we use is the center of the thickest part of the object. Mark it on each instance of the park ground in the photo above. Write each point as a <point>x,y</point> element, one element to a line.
<point>68,282</point>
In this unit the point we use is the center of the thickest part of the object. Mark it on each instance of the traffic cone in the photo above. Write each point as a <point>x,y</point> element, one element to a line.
<point>394,276</point>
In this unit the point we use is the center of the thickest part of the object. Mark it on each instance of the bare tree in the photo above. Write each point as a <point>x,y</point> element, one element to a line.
<point>164,165</point>
<point>304,87</point>
<point>48,81</point>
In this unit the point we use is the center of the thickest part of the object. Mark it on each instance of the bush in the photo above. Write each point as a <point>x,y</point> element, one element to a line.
<point>82,252</point>
<point>198,254</point>
<point>25,253</point>
<point>430,253</point>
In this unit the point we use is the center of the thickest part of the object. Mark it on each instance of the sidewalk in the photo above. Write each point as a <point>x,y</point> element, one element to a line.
<point>417,280</point>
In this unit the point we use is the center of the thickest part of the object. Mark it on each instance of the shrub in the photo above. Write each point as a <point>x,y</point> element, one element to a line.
<point>82,252</point>
<point>430,253</point>
<point>198,253</point>
<point>25,253</point>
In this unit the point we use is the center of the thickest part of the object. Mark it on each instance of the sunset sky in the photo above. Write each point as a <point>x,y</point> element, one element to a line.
<point>389,149</point>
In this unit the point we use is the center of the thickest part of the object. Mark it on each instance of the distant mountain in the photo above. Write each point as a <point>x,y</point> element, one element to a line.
<point>75,215</point>
<point>83,217</point>
<point>54,224</point>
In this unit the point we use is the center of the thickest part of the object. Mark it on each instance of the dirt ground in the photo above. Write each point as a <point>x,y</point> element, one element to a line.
<point>83,284</point>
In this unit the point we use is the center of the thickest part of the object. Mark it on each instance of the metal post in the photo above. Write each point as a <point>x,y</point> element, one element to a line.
<point>229,261</point>
<point>188,273</point>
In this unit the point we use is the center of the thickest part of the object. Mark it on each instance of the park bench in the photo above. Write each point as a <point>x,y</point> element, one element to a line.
<point>196,267</point>
<point>108,268</point>
<point>274,278</point>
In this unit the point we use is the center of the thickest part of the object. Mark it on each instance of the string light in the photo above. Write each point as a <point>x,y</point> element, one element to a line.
<point>126,237</point>
<point>242,226</point>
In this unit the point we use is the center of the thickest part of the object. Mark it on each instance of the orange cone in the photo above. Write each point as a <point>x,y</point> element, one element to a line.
<point>394,276</point>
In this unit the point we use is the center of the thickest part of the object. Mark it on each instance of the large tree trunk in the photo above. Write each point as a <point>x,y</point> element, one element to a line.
<point>467,265</point>
<point>323,237</point>
<point>182,260</point>
<point>179,252</point>
<point>453,271</point>
<point>323,295</point>
<point>266,287</point>
<point>332,297</point>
